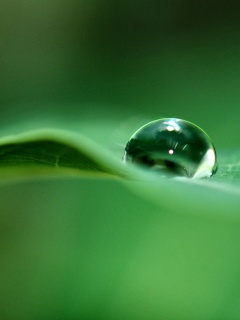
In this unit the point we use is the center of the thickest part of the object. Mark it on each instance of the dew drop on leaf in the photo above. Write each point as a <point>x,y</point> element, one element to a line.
<point>174,146</point>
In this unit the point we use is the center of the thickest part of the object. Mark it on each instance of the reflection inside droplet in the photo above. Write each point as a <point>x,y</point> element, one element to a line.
<point>172,145</point>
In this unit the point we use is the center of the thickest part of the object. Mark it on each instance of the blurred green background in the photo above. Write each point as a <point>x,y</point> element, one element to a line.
<point>148,58</point>
<point>108,249</point>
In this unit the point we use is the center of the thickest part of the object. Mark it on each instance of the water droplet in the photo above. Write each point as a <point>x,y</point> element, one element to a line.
<point>173,146</point>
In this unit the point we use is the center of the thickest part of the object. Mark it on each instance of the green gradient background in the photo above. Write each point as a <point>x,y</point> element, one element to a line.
<point>146,58</point>
<point>92,248</point>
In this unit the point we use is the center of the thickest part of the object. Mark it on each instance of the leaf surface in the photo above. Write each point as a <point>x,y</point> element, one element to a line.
<point>138,247</point>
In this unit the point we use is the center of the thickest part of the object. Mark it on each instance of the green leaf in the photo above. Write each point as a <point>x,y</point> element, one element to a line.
<point>54,152</point>
<point>58,152</point>
<point>136,247</point>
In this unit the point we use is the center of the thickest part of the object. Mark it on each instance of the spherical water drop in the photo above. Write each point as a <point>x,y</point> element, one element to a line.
<point>174,146</point>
